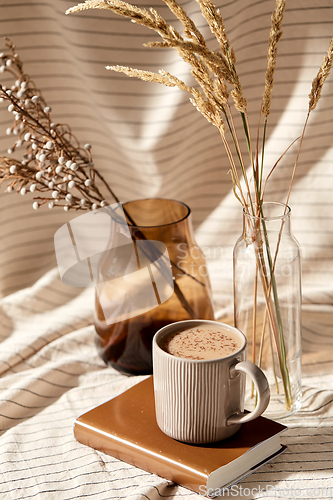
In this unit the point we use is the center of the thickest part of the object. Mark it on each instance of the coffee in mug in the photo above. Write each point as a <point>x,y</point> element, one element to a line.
<point>202,342</point>
<point>199,369</point>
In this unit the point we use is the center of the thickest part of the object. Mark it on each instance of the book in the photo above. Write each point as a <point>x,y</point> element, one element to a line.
<point>125,427</point>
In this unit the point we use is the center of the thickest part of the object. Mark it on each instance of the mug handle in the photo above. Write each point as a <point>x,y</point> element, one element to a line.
<point>262,387</point>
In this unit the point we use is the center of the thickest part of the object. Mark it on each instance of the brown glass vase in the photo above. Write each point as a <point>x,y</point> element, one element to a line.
<point>126,345</point>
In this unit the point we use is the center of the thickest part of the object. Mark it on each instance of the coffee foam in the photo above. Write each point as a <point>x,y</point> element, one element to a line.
<point>202,342</point>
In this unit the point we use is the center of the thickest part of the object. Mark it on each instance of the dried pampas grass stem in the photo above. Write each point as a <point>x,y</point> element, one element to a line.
<point>319,80</point>
<point>274,37</point>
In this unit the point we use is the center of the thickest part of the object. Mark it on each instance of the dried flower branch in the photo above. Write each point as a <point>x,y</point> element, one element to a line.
<point>53,163</point>
<point>190,29</point>
<point>319,80</point>
<point>211,69</point>
<point>148,76</point>
<point>274,37</point>
<point>216,24</point>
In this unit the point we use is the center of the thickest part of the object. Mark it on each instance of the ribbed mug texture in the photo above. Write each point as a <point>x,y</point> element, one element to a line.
<point>194,398</point>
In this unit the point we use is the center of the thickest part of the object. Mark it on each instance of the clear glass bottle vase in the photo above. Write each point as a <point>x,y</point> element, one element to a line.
<point>267,304</point>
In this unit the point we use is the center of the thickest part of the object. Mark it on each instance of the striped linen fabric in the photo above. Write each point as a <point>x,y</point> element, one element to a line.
<point>149,141</point>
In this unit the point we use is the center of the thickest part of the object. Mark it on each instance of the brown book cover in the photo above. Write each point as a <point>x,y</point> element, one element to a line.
<point>125,427</point>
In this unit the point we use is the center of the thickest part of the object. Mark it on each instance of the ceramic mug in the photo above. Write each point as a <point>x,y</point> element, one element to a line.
<point>202,401</point>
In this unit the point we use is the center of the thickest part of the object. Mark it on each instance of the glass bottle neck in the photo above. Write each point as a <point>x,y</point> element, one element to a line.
<point>276,219</point>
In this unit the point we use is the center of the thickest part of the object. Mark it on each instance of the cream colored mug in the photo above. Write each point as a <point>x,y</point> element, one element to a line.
<point>202,400</point>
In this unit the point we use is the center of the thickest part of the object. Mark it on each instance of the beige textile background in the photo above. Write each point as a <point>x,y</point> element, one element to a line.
<point>149,141</point>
